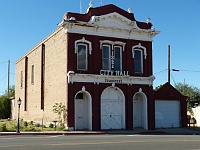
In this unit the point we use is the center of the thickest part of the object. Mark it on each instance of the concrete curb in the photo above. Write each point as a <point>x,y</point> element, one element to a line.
<point>50,133</point>
<point>174,131</point>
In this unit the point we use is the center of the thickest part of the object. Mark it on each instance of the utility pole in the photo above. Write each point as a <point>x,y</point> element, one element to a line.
<point>8,76</point>
<point>169,64</point>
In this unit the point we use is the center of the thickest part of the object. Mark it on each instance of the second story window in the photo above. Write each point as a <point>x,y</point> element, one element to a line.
<point>112,55</point>
<point>138,61</point>
<point>106,57</point>
<point>117,58</point>
<point>82,57</point>
<point>82,48</point>
<point>139,54</point>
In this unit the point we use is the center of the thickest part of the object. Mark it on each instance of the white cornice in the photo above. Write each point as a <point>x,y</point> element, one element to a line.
<point>134,34</point>
<point>97,79</point>
<point>110,25</point>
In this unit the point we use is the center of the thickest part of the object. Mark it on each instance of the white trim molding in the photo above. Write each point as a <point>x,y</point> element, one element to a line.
<point>113,43</point>
<point>83,40</point>
<point>97,79</point>
<point>140,47</point>
<point>110,25</point>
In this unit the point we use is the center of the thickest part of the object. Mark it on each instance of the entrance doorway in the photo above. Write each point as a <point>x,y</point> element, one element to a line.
<point>140,111</point>
<point>83,111</point>
<point>112,109</point>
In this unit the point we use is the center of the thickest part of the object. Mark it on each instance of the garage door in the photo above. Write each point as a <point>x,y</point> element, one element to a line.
<point>167,113</point>
<point>111,114</point>
<point>112,109</point>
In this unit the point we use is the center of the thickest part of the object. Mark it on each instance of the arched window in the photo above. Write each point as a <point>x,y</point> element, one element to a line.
<point>118,58</point>
<point>106,57</point>
<point>138,61</point>
<point>82,48</point>
<point>82,57</point>
<point>139,54</point>
<point>112,55</point>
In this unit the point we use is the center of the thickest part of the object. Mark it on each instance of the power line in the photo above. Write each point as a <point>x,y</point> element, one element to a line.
<point>161,71</point>
<point>3,78</point>
<point>3,62</point>
<point>173,79</point>
<point>12,62</point>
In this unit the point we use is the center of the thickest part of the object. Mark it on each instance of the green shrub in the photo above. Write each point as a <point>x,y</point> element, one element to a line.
<point>51,125</point>
<point>31,123</point>
<point>30,129</point>
<point>61,128</point>
<point>3,128</point>
<point>25,124</point>
<point>37,125</point>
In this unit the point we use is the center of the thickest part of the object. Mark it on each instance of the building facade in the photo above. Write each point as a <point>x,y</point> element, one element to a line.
<point>99,65</point>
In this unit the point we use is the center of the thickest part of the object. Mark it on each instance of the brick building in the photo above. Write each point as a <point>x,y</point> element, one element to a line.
<point>99,64</point>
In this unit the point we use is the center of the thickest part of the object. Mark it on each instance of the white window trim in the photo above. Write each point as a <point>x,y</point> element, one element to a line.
<point>113,43</point>
<point>140,47</point>
<point>86,56</point>
<point>83,40</point>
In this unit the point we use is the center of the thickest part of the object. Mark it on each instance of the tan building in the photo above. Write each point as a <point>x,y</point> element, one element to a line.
<point>41,79</point>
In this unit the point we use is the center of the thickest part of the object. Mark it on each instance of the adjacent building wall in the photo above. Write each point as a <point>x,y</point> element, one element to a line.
<point>55,68</point>
<point>196,115</point>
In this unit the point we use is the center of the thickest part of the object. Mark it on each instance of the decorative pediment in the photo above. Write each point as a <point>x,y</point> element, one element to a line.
<point>108,21</point>
<point>113,20</point>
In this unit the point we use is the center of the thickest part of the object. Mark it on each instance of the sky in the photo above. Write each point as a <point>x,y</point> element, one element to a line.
<point>24,23</point>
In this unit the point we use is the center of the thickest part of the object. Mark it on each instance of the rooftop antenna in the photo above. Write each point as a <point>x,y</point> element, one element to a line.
<point>80,7</point>
<point>100,2</point>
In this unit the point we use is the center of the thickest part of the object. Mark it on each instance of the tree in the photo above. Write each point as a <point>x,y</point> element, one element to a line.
<point>193,94</point>
<point>5,107</point>
<point>59,108</point>
<point>5,103</point>
<point>158,87</point>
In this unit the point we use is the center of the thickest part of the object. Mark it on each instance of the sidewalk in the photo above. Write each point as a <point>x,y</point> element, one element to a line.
<point>171,131</point>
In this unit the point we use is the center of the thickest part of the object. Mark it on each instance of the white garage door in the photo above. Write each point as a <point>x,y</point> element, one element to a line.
<point>112,109</point>
<point>111,114</point>
<point>167,113</point>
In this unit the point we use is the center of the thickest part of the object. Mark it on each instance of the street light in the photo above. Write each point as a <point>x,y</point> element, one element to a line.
<point>175,70</point>
<point>19,103</point>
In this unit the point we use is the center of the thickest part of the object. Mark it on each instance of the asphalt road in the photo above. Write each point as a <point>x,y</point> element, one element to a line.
<point>101,142</point>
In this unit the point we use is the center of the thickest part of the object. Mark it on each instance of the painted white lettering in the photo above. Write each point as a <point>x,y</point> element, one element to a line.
<point>101,72</point>
<point>114,73</point>
<point>111,73</point>
<point>113,81</point>
<point>108,72</point>
<point>117,73</point>
<point>127,73</point>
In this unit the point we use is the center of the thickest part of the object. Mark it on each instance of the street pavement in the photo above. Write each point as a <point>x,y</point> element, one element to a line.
<point>168,131</point>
